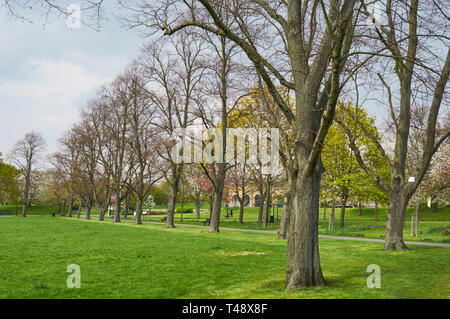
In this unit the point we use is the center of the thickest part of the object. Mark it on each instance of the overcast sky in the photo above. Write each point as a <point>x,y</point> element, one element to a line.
<point>48,74</point>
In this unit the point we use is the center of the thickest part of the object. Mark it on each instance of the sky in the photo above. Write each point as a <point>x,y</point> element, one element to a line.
<point>48,74</point>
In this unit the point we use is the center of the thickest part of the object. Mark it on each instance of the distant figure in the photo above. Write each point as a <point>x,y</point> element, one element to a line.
<point>231,212</point>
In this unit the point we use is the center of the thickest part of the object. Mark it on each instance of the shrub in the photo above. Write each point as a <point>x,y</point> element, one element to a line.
<point>186,210</point>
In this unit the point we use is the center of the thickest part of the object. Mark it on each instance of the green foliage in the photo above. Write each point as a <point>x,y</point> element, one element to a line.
<point>159,194</point>
<point>9,183</point>
<point>343,176</point>
<point>186,210</point>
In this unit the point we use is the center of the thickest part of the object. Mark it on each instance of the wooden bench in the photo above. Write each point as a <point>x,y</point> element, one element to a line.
<point>207,221</point>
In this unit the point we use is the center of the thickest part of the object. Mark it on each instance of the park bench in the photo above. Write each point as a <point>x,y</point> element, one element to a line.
<point>207,221</point>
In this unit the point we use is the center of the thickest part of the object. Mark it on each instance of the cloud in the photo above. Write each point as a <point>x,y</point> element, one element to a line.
<point>47,99</point>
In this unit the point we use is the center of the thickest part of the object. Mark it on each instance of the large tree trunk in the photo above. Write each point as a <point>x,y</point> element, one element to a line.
<point>138,212</point>
<point>267,202</point>
<point>396,219</point>
<point>303,261</point>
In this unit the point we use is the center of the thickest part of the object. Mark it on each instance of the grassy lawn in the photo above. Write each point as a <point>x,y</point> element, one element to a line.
<point>431,225</point>
<point>149,261</point>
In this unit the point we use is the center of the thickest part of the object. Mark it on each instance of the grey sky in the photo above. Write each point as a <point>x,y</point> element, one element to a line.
<point>48,74</point>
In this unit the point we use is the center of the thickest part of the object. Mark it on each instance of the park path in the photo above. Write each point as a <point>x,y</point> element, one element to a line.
<point>373,240</point>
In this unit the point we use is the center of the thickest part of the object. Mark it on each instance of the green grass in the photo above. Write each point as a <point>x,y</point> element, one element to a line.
<point>33,210</point>
<point>150,261</point>
<point>431,225</point>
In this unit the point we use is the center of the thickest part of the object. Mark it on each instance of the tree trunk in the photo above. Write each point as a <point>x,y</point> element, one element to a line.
<point>79,211</point>
<point>172,203</point>
<point>325,212</point>
<point>138,212</point>
<point>302,256</point>
<point>69,211</point>
<point>359,208</point>
<point>63,209</point>
<point>396,219</point>
<point>341,221</point>
<point>376,210</point>
<point>127,206</point>
<point>217,207</point>
<point>241,211</point>
<point>117,207</point>
<point>261,208</point>
<point>434,204</point>
<point>211,204</point>
<point>88,211</point>
<point>197,208</point>
<point>284,222</point>
<point>101,214</point>
<point>331,222</point>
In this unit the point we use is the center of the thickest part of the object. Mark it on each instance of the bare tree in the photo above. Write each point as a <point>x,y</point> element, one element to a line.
<point>307,39</point>
<point>173,75</point>
<point>25,155</point>
<point>413,48</point>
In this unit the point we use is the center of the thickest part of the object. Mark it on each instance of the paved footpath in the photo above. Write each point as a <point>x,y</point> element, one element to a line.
<point>373,240</point>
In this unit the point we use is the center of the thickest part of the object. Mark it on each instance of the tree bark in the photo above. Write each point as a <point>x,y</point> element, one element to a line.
<point>217,206</point>
<point>341,221</point>
<point>138,212</point>
<point>197,208</point>
<point>359,208</point>
<point>88,211</point>
<point>172,203</point>
<point>331,222</point>
<point>303,261</point>
<point>284,222</point>
<point>396,219</point>
<point>261,207</point>
<point>70,209</point>
<point>117,207</point>
<point>127,206</point>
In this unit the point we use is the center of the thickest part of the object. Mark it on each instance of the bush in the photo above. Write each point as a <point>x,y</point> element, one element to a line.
<point>186,210</point>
